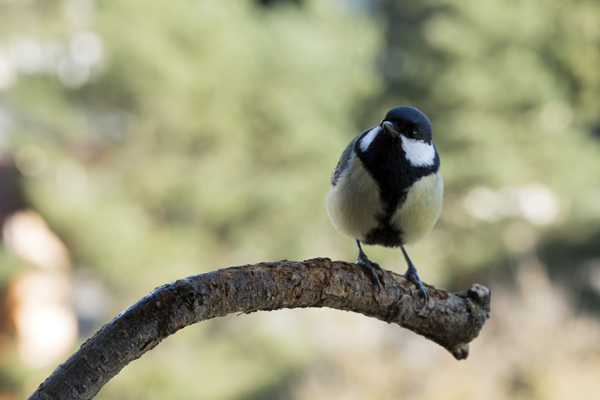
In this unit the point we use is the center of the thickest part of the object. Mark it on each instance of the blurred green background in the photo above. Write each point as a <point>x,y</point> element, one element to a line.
<point>142,142</point>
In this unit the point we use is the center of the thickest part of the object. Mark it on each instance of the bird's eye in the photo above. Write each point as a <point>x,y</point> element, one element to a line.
<point>411,133</point>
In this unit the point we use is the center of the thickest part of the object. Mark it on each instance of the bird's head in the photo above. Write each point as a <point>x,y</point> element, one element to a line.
<point>407,122</point>
<point>413,129</point>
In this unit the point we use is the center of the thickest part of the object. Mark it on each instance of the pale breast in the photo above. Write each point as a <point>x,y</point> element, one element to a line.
<point>421,209</point>
<point>353,203</point>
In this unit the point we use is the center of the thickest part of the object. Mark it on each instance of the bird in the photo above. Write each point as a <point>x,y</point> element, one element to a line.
<point>387,189</point>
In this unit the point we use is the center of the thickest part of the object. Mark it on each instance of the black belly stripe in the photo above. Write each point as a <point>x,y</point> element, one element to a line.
<point>387,164</point>
<point>385,235</point>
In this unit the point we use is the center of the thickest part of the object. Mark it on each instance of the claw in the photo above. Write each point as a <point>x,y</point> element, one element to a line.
<point>371,267</point>
<point>412,275</point>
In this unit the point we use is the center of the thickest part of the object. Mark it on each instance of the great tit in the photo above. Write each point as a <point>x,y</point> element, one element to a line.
<point>386,189</point>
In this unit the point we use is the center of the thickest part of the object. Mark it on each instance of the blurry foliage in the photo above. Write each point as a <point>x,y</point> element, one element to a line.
<point>205,134</point>
<point>203,126</point>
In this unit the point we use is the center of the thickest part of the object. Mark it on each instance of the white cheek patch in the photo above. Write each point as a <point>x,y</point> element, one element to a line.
<point>366,141</point>
<point>419,153</point>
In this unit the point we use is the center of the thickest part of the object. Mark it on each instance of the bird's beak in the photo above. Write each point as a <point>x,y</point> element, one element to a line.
<point>389,127</point>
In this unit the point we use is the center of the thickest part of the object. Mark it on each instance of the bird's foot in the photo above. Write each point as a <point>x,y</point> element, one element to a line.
<point>411,275</point>
<point>372,269</point>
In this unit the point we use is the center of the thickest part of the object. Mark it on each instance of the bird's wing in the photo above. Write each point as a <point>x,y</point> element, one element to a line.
<point>343,162</point>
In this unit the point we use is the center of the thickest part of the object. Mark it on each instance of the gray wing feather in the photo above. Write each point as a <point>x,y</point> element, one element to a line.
<point>343,162</point>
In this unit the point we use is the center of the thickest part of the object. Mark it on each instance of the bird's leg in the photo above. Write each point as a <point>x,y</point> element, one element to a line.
<point>370,266</point>
<point>411,275</point>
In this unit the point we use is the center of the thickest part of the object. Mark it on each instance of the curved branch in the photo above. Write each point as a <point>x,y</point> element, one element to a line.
<point>451,320</point>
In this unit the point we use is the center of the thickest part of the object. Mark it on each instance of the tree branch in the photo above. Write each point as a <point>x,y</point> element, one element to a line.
<point>451,320</point>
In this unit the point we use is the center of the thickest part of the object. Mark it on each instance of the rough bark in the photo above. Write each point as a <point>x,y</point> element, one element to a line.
<point>451,320</point>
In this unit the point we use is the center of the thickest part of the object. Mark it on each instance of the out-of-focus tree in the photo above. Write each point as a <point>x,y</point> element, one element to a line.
<point>197,124</point>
